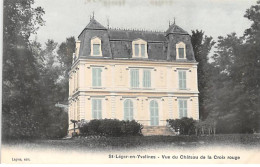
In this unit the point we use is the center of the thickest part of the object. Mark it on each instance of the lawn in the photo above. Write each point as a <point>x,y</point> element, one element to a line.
<point>137,142</point>
<point>236,148</point>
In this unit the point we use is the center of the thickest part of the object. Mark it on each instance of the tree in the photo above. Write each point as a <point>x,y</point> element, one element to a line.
<point>21,108</point>
<point>251,75</point>
<point>202,45</point>
<point>56,120</point>
<point>65,52</point>
<point>234,97</point>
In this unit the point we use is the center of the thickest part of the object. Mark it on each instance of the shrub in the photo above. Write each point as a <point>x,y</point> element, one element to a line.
<point>207,126</point>
<point>93,126</point>
<point>186,126</point>
<point>83,128</point>
<point>110,127</point>
<point>131,128</point>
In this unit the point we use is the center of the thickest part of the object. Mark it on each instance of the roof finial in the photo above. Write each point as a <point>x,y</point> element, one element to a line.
<point>93,15</point>
<point>174,21</point>
<point>169,23</point>
<point>90,18</point>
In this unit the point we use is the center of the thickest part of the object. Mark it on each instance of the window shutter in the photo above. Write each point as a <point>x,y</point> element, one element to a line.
<point>143,50</point>
<point>99,76</point>
<point>180,108</point>
<point>137,78</point>
<point>180,79</point>
<point>146,78</point>
<point>184,79</point>
<point>94,109</point>
<point>137,50</point>
<point>152,113</point>
<point>94,80</point>
<point>134,78</point>
<point>131,110</point>
<point>125,110</point>
<point>184,108</point>
<point>99,109</point>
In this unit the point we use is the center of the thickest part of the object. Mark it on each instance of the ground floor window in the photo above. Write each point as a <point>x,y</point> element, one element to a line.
<point>96,108</point>
<point>182,108</point>
<point>128,109</point>
<point>154,113</point>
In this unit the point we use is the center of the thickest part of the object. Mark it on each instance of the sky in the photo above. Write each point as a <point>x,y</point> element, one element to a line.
<point>66,18</point>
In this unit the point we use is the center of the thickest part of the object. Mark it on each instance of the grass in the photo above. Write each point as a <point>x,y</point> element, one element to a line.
<point>137,142</point>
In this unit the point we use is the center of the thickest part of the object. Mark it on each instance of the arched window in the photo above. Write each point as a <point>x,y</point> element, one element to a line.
<point>128,110</point>
<point>154,113</point>
<point>180,50</point>
<point>96,47</point>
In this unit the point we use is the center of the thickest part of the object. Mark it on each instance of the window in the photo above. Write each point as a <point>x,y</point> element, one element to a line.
<point>96,77</point>
<point>96,47</point>
<point>180,50</point>
<point>128,110</point>
<point>134,78</point>
<point>96,108</point>
<point>182,79</point>
<point>181,53</point>
<point>146,78</point>
<point>139,48</point>
<point>154,114</point>
<point>142,76</point>
<point>182,108</point>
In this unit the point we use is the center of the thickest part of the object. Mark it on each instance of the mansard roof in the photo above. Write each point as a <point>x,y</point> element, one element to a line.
<point>149,36</point>
<point>117,43</point>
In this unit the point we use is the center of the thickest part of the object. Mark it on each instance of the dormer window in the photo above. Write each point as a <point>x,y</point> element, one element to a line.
<point>139,48</point>
<point>181,50</point>
<point>96,47</point>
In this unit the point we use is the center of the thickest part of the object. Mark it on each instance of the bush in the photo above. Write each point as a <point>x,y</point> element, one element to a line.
<point>83,128</point>
<point>186,126</point>
<point>207,126</point>
<point>93,126</point>
<point>131,128</point>
<point>110,127</point>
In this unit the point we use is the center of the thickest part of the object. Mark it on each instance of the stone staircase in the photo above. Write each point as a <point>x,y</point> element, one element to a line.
<point>157,131</point>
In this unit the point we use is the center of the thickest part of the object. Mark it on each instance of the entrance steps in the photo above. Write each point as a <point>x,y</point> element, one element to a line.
<point>157,131</point>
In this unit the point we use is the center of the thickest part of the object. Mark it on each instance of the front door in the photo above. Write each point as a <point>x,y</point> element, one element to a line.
<point>154,113</point>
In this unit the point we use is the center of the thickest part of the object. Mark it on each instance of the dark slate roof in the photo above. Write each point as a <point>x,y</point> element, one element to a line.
<point>131,35</point>
<point>94,25</point>
<point>117,43</point>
